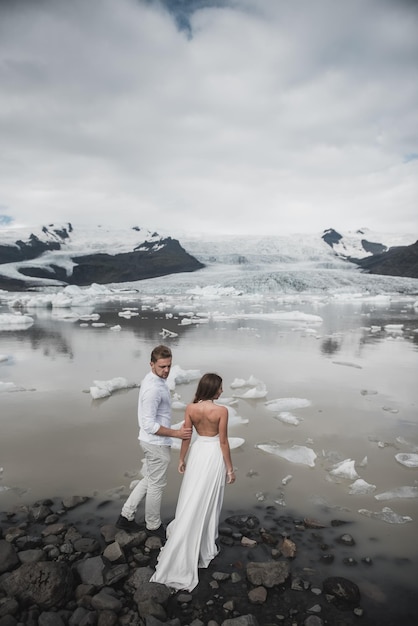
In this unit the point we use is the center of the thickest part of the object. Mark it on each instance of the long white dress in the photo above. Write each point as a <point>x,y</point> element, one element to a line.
<point>191,536</point>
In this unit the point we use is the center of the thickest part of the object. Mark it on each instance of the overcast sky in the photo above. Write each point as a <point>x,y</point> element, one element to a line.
<point>248,116</point>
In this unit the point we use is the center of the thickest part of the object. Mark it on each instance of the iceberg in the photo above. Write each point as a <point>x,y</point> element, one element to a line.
<point>105,388</point>
<point>295,454</point>
<point>286,404</point>
<point>259,391</point>
<point>15,321</point>
<point>288,418</point>
<point>361,487</point>
<point>398,492</point>
<point>345,469</point>
<point>407,459</point>
<point>386,515</point>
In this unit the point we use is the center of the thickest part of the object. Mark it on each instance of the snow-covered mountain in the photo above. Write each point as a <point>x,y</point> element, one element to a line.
<point>63,254</point>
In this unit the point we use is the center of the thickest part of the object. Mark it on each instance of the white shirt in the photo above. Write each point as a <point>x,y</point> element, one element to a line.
<point>154,409</point>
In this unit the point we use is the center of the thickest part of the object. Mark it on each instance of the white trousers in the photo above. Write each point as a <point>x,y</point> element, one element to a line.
<point>157,459</point>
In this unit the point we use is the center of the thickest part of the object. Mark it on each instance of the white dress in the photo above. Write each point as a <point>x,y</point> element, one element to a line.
<point>191,535</point>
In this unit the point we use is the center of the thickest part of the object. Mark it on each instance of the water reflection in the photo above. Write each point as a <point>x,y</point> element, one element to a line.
<point>330,346</point>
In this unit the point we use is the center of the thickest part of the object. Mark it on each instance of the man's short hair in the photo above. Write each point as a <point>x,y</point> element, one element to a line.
<point>160,352</point>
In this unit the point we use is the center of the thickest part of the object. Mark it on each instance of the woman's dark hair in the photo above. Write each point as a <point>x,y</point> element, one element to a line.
<point>208,387</point>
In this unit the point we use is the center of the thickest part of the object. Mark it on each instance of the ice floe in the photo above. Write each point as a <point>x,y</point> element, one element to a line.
<point>287,404</point>
<point>361,487</point>
<point>386,515</point>
<point>179,376</point>
<point>15,321</point>
<point>288,418</point>
<point>105,388</point>
<point>345,469</point>
<point>407,459</point>
<point>295,453</point>
<point>404,491</point>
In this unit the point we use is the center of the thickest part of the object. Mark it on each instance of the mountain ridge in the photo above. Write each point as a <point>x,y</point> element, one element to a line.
<point>59,255</point>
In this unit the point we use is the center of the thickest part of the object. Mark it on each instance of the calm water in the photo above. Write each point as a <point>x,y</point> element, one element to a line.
<point>360,380</point>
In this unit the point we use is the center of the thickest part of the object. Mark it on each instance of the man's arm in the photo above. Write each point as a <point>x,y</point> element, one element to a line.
<point>178,433</point>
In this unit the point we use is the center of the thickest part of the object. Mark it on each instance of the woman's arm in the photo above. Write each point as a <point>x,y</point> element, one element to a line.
<point>185,442</point>
<point>226,452</point>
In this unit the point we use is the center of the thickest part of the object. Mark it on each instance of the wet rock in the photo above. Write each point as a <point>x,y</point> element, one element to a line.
<point>45,583</point>
<point>345,592</point>
<point>268,574</point>
<point>73,501</point>
<point>258,595</point>
<point>243,521</point>
<point>8,556</point>
<point>346,540</point>
<point>243,620</point>
<point>91,571</point>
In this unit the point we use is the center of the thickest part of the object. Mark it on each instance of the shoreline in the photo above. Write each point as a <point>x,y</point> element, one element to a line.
<point>80,530</point>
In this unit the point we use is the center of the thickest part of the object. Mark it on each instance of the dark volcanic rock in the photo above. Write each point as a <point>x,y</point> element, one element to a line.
<point>244,584</point>
<point>397,261</point>
<point>45,583</point>
<point>170,258</point>
<point>149,260</point>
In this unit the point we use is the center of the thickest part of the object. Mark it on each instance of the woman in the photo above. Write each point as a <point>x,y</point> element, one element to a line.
<point>194,530</point>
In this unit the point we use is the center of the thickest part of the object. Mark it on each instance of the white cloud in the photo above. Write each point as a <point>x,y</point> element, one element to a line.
<point>266,117</point>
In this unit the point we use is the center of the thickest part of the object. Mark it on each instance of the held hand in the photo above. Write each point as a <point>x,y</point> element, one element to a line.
<point>184,433</point>
<point>181,467</point>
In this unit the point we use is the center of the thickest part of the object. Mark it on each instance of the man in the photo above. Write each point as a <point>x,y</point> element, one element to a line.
<point>155,433</point>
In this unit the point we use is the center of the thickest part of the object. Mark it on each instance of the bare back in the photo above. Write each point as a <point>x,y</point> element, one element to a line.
<point>209,419</point>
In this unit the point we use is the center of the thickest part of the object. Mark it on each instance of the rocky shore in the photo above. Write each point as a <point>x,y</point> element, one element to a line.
<point>64,563</point>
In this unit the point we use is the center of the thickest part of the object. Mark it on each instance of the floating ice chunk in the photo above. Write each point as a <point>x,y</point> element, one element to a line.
<point>390,409</point>
<point>360,486</point>
<point>345,469</point>
<point>116,327</point>
<point>237,382</point>
<point>98,324</point>
<point>394,328</point>
<point>259,391</point>
<point>364,462</point>
<point>399,492</point>
<point>178,376</point>
<point>105,388</point>
<point>90,317</point>
<point>250,382</point>
<point>128,314</point>
<point>387,515</point>
<point>288,418</point>
<point>407,459</point>
<point>233,418</point>
<point>294,454</point>
<point>15,321</point>
<point>167,333</point>
<point>10,387</point>
<point>287,479</point>
<point>226,400</point>
<point>286,404</point>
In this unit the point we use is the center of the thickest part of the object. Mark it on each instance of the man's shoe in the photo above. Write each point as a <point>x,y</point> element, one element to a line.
<point>130,526</point>
<point>157,532</point>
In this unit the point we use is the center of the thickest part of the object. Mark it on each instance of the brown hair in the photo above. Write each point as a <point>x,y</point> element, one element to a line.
<point>207,387</point>
<point>160,352</point>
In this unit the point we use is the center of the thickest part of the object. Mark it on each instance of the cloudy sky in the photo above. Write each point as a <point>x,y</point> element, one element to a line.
<point>239,116</point>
